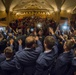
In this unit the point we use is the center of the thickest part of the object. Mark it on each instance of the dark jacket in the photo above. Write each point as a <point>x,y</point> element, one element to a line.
<point>45,62</point>
<point>2,57</point>
<point>63,63</point>
<point>27,58</point>
<point>72,68</point>
<point>8,67</point>
<point>2,45</point>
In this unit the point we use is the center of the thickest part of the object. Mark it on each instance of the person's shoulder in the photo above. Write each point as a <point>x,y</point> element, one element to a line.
<point>41,58</point>
<point>3,63</point>
<point>8,64</point>
<point>62,57</point>
<point>24,52</point>
<point>65,57</point>
<point>74,61</point>
<point>19,52</point>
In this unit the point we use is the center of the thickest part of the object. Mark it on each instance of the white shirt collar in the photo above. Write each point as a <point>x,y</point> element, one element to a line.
<point>27,48</point>
<point>74,57</point>
<point>47,51</point>
<point>66,52</point>
<point>8,58</point>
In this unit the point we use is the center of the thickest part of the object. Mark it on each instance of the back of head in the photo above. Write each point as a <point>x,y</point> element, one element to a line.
<point>69,44</point>
<point>30,40</point>
<point>8,52</point>
<point>49,42</point>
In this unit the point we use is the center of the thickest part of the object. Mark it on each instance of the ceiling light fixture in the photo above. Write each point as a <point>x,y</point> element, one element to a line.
<point>48,13</point>
<point>56,9</point>
<point>18,13</point>
<point>62,8</point>
<point>68,11</point>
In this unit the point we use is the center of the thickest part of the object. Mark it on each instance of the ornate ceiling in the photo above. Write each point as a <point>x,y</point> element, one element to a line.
<point>48,5</point>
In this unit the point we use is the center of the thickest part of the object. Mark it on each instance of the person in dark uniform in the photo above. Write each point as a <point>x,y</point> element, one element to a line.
<point>28,56</point>
<point>2,47</point>
<point>46,59</point>
<point>2,43</point>
<point>63,62</point>
<point>8,66</point>
<point>2,57</point>
<point>72,69</point>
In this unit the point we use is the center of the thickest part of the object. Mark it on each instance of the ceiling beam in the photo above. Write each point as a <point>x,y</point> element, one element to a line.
<point>3,3</point>
<point>63,1</point>
<point>59,3</point>
<point>74,8</point>
<point>7,4</point>
<point>49,4</point>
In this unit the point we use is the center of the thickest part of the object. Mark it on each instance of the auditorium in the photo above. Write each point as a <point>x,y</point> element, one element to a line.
<point>37,37</point>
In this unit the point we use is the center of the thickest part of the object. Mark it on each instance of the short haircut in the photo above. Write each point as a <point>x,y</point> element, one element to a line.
<point>30,40</point>
<point>8,52</point>
<point>69,44</point>
<point>49,41</point>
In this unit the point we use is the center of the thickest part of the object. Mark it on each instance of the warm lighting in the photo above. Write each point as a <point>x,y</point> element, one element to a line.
<point>68,11</point>
<point>43,12</point>
<point>56,9</point>
<point>51,11</point>
<point>18,13</point>
<point>48,13</point>
<point>24,13</point>
<point>10,9</point>
<point>3,9</point>
<point>62,8</point>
